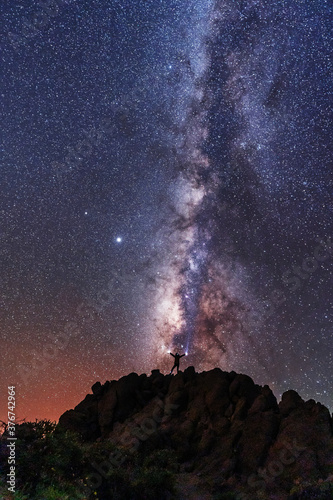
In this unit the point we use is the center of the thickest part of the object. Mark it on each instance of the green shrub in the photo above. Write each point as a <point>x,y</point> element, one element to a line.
<point>19,496</point>
<point>47,457</point>
<point>151,483</point>
<point>58,493</point>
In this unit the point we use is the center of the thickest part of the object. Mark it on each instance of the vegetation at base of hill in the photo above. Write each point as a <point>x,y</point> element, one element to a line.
<point>53,464</point>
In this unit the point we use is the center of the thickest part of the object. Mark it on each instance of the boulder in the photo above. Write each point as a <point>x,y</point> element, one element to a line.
<point>220,425</point>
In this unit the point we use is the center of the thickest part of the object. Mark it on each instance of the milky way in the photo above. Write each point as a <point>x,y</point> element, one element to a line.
<point>167,185</point>
<point>235,186</point>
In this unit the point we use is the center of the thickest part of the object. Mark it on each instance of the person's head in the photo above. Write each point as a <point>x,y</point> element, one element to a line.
<point>177,354</point>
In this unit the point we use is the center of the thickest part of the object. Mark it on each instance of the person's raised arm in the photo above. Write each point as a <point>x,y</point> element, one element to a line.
<point>182,355</point>
<point>171,354</point>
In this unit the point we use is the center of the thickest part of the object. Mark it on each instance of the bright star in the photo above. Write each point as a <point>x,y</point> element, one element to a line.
<point>119,239</point>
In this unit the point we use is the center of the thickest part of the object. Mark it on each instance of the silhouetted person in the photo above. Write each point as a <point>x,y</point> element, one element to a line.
<point>177,358</point>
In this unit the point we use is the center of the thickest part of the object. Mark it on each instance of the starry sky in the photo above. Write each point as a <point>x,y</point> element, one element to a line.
<point>166,185</point>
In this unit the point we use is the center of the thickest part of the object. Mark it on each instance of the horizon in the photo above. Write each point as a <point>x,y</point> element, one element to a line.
<point>51,415</point>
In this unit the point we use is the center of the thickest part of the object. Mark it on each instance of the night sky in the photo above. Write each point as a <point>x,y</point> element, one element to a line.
<point>166,184</point>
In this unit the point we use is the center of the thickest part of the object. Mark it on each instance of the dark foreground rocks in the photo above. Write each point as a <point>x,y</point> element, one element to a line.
<point>227,433</point>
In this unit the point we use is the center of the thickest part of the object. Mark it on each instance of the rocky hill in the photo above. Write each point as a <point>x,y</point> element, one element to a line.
<point>230,437</point>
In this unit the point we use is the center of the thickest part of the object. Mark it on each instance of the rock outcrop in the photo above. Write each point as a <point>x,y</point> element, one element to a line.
<point>223,428</point>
